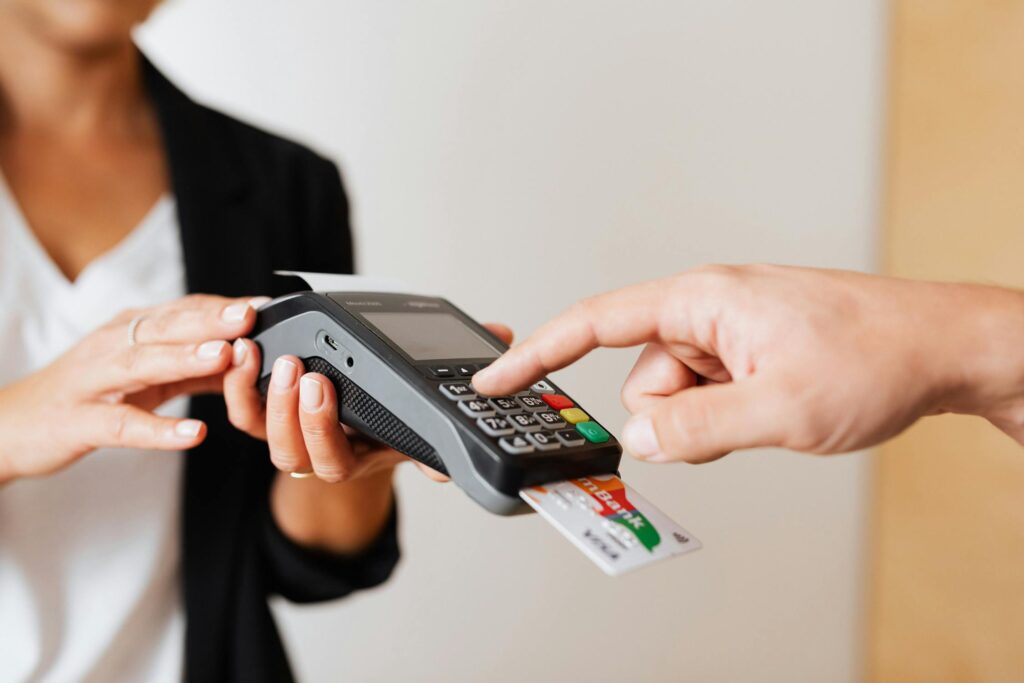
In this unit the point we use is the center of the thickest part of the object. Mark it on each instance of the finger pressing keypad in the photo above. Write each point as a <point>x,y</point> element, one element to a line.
<point>537,420</point>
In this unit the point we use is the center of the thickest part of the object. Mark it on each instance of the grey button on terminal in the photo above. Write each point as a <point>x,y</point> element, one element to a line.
<point>570,437</point>
<point>476,408</point>
<point>524,422</point>
<point>533,403</point>
<point>442,371</point>
<point>549,419</point>
<point>505,405</point>
<point>495,426</point>
<point>544,441</point>
<point>515,444</point>
<point>543,387</point>
<point>458,391</point>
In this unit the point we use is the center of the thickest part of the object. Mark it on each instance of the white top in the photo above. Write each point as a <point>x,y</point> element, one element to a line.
<point>90,556</point>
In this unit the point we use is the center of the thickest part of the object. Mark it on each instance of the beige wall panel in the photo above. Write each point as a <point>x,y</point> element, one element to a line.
<point>948,580</point>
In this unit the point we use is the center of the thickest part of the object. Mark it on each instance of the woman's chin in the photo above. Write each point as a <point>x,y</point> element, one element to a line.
<point>86,26</point>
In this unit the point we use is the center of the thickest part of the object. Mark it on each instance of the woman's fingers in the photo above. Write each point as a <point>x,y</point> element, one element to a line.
<point>656,375</point>
<point>127,426</point>
<point>155,396</point>
<point>244,403</point>
<point>136,367</point>
<point>284,433</point>
<point>163,345</point>
<point>193,319</point>
<point>431,473</point>
<point>329,450</point>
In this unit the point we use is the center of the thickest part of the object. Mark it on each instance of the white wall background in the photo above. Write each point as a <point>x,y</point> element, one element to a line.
<point>515,156</point>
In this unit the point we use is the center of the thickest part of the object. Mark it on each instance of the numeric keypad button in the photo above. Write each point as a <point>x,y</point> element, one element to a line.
<point>524,422</point>
<point>543,441</point>
<point>505,405</point>
<point>550,420</point>
<point>543,387</point>
<point>570,437</point>
<point>533,403</point>
<point>442,371</point>
<point>515,445</point>
<point>495,426</point>
<point>476,408</point>
<point>458,391</point>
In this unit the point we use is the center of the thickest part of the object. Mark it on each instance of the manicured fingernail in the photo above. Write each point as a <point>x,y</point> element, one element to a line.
<point>239,351</point>
<point>640,440</point>
<point>235,313</point>
<point>283,375</point>
<point>210,350</point>
<point>311,394</point>
<point>258,301</point>
<point>188,429</point>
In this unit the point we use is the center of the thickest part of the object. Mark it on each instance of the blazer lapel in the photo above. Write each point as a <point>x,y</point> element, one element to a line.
<point>222,234</point>
<point>225,249</point>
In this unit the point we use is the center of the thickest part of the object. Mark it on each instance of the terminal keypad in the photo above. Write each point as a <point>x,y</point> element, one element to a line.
<point>533,421</point>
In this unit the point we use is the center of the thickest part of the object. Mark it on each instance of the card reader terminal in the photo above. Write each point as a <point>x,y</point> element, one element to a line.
<point>401,365</point>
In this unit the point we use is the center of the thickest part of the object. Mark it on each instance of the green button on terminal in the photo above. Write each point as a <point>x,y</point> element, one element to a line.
<point>593,432</point>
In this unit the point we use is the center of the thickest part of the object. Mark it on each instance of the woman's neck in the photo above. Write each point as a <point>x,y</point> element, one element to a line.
<point>48,89</point>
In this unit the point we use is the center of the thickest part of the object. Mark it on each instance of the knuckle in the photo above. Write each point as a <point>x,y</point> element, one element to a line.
<point>240,418</point>
<point>627,395</point>
<point>131,361</point>
<point>715,269</point>
<point>802,431</point>
<point>194,300</point>
<point>118,424</point>
<point>318,430</point>
<point>713,277</point>
<point>284,459</point>
<point>332,472</point>
<point>583,308</point>
<point>125,316</point>
<point>279,418</point>
<point>157,326</point>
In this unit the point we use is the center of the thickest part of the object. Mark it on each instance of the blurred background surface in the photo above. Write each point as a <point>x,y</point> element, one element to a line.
<point>516,156</point>
<point>947,586</point>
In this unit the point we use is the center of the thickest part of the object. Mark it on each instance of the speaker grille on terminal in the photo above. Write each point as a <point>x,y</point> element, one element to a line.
<point>381,422</point>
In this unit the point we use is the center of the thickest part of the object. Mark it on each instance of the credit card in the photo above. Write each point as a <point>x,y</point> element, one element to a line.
<point>611,523</point>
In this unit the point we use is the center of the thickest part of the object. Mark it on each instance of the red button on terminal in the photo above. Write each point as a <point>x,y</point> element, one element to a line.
<point>557,401</point>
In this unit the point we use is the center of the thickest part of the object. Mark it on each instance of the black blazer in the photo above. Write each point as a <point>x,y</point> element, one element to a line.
<point>248,203</point>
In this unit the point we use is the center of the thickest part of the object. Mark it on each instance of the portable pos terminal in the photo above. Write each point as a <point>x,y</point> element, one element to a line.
<point>401,365</point>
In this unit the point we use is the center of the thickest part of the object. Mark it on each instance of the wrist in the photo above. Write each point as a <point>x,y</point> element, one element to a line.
<point>340,517</point>
<point>985,368</point>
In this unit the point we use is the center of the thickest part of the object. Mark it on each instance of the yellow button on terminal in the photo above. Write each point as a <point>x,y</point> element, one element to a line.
<point>574,415</point>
